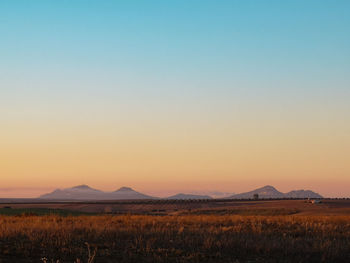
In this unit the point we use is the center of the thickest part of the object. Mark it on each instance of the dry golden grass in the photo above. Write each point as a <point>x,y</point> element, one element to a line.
<point>186,238</point>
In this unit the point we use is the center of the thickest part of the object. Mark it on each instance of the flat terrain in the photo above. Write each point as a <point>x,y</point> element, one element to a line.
<point>174,207</point>
<point>176,231</point>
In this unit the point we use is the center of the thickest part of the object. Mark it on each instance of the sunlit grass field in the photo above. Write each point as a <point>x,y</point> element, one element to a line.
<point>179,238</point>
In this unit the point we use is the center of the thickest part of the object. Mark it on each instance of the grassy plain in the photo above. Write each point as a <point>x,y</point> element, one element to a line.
<point>177,238</point>
<point>239,231</point>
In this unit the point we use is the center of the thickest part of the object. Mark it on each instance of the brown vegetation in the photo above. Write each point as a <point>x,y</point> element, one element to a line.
<point>166,207</point>
<point>180,238</point>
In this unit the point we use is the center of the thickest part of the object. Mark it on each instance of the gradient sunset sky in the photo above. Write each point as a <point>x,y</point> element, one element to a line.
<point>174,96</point>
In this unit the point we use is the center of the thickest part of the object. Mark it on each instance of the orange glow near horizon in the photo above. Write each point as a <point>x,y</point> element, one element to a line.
<point>164,156</point>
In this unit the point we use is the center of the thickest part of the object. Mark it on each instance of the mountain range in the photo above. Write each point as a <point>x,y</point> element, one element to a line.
<point>269,191</point>
<point>85,192</point>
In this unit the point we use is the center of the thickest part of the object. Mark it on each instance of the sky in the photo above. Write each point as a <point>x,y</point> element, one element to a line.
<point>174,96</point>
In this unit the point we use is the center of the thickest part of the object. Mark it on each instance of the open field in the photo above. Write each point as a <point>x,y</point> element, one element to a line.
<point>191,238</point>
<point>244,231</point>
<point>176,207</point>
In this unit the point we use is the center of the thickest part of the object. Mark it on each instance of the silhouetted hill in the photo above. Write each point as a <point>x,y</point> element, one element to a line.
<point>302,194</point>
<point>269,191</point>
<point>128,193</point>
<point>84,192</point>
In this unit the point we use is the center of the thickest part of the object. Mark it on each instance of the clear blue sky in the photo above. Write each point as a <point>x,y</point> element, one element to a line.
<point>222,63</point>
<point>176,41</point>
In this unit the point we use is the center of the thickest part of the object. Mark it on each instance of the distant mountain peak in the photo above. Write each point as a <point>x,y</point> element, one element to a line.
<point>85,192</point>
<point>269,191</point>
<point>82,186</point>
<point>303,194</point>
<point>124,188</point>
<point>268,187</point>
